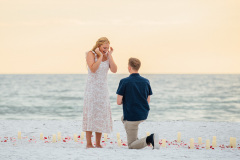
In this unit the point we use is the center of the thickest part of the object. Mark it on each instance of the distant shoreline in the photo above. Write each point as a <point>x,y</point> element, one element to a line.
<point>121,74</point>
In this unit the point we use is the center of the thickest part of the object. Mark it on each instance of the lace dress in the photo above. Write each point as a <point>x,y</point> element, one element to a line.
<point>97,115</point>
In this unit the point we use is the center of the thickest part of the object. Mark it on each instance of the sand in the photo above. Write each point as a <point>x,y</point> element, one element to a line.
<point>31,147</point>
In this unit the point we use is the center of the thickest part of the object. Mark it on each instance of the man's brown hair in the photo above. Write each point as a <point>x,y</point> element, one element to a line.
<point>134,63</point>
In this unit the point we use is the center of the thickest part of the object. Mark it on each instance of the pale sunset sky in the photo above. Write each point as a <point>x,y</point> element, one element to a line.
<point>168,36</point>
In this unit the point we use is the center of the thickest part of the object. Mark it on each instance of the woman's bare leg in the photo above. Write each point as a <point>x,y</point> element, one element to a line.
<point>98,139</point>
<point>89,139</point>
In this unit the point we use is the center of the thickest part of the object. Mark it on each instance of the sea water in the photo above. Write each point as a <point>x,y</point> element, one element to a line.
<point>188,97</point>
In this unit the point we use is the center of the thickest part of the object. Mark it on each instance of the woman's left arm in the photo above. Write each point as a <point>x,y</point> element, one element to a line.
<point>112,64</point>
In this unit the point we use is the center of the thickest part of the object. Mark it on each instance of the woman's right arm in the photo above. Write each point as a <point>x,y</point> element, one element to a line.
<point>93,66</point>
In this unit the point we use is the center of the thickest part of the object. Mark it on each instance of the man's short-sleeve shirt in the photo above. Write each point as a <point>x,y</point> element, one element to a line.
<point>135,90</point>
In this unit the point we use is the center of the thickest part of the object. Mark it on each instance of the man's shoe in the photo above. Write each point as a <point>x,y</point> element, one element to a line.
<point>154,140</point>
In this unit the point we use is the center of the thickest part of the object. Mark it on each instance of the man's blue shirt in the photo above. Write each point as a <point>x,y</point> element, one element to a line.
<point>135,91</point>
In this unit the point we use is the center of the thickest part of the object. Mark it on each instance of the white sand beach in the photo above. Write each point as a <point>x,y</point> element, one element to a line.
<point>30,147</point>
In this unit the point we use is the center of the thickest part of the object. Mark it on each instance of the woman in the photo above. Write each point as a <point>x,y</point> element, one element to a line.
<point>96,110</point>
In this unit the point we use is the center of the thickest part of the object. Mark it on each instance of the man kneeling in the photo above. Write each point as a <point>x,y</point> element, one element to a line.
<point>134,93</point>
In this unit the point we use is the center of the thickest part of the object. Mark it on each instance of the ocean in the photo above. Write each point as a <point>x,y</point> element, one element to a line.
<point>176,97</point>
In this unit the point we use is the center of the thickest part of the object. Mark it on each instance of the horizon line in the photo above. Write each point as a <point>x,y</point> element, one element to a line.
<point>114,73</point>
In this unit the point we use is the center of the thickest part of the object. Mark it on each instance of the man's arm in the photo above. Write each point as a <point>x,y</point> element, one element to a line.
<point>119,99</point>
<point>148,99</point>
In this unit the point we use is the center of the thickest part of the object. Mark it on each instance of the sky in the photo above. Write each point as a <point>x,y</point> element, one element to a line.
<point>168,36</point>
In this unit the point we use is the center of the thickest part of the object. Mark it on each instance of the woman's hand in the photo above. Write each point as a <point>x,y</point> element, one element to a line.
<point>112,64</point>
<point>111,50</point>
<point>97,51</point>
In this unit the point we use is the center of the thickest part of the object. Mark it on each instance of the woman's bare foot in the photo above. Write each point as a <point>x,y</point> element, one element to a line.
<point>90,146</point>
<point>99,146</point>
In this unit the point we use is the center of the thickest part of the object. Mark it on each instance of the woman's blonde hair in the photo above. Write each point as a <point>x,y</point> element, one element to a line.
<point>100,42</point>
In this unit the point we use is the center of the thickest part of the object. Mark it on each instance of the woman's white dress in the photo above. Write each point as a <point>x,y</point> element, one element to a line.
<point>97,115</point>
